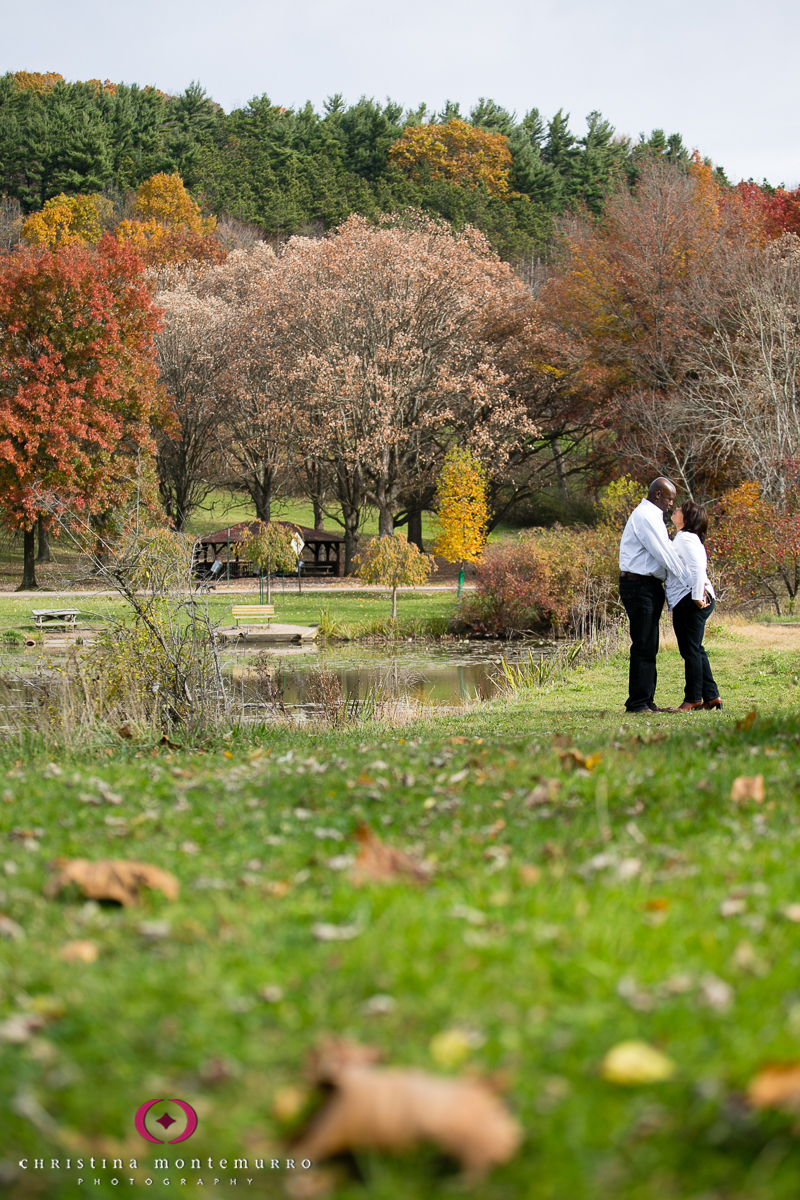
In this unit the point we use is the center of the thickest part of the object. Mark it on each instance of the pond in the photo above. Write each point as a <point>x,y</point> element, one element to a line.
<point>339,680</point>
<point>425,673</point>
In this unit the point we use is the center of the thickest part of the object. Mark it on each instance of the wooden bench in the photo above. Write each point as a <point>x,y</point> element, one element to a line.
<point>55,616</point>
<point>253,612</point>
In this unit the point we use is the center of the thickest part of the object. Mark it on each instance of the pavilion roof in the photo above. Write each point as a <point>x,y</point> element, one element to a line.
<point>237,533</point>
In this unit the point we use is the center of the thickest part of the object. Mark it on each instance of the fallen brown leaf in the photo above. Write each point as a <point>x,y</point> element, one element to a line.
<point>747,722</point>
<point>574,758</point>
<point>748,787</point>
<point>111,879</point>
<point>20,1027</point>
<point>125,732</point>
<point>81,951</point>
<point>657,904</point>
<point>378,862</point>
<point>394,1108</point>
<point>529,874</point>
<point>545,792</point>
<point>776,1086</point>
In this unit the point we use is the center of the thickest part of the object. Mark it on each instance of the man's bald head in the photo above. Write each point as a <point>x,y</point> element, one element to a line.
<point>662,493</point>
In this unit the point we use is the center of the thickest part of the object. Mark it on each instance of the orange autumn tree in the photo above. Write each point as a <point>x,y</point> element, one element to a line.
<point>168,226</point>
<point>457,153</point>
<point>636,292</point>
<point>68,221</point>
<point>77,381</point>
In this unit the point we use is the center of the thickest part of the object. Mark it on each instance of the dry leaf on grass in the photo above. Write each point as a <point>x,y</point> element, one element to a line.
<point>10,929</point>
<point>377,862</point>
<point>81,951</point>
<point>776,1086</point>
<point>631,1063</point>
<point>111,879</point>
<point>574,758</point>
<point>748,787</point>
<point>394,1108</point>
<point>21,1027</point>
<point>324,932</point>
<point>545,792</point>
<point>529,875</point>
<point>747,722</point>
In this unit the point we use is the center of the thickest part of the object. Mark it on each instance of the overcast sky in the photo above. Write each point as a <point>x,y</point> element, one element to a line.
<point>723,73</point>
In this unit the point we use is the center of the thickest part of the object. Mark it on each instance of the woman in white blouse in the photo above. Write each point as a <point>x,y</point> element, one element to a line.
<point>692,608</point>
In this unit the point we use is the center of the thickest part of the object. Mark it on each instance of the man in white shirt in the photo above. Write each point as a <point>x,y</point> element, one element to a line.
<point>645,556</point>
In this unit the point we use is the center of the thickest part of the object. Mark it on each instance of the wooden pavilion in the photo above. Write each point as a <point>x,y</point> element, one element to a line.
<point>323,553</point>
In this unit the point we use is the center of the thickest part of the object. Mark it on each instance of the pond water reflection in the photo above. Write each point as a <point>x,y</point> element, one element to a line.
<point>444,673</point>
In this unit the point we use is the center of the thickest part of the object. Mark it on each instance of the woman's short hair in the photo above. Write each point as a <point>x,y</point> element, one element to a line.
<point>695,519</point>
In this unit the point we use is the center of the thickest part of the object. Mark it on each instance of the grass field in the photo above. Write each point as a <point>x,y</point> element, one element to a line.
<point>344,614</point>
<point>539,973</point>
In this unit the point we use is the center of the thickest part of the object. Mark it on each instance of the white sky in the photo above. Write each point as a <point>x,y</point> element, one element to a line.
<point>723,73</point>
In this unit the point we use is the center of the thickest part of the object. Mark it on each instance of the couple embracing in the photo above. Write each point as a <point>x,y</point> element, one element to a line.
<point>650,565</point>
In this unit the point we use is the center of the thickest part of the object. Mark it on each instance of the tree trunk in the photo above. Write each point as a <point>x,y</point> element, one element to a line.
<point>350,518</point>
<point>43,538</point>
<point>558,459</point>
<point>319,516</point>
<point>385,522</point>
<point>269,585</point>
<point>415,527</point>
<point>259,486</point>
<point>394,603</point>
<point>29,583</point>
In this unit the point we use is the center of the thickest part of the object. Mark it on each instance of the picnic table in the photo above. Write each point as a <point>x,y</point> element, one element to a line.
<point>55,616</point>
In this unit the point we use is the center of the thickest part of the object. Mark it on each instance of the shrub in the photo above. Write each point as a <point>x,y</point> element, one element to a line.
<point>561,580</point>
<point>755,543</point>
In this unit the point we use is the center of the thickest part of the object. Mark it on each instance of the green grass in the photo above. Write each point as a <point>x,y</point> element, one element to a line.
<point>538,980</point>
<point>355,614</point>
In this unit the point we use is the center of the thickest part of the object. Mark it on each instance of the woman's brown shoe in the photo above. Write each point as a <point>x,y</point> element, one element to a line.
<point>709,704</point>
<point>687,706</point>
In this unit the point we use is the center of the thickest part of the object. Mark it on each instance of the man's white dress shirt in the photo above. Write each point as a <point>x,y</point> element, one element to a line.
<point>645,548</point>
<point>694,557</point>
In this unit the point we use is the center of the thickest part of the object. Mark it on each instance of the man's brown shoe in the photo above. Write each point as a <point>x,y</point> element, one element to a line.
<point>711,704</point>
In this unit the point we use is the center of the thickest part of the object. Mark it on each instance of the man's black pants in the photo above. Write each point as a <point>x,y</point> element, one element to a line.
<point>689,623</point>
<point>643,599</point>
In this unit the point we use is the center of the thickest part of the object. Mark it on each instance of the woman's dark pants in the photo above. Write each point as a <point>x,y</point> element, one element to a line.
<point>689,623</point>
<point>643,599</point>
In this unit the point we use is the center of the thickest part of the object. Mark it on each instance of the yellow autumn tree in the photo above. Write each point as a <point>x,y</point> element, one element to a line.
<point>462,509</point>
<point>393,562</point>
<point>68,221</point>
<point>168,225</point>
<point>37,81</point>
<point>619,500</point>
<point>456,152</point>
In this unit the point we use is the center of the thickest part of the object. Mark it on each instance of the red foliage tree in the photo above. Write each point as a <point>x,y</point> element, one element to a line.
<point>77,379</point>
<point>778,209</point>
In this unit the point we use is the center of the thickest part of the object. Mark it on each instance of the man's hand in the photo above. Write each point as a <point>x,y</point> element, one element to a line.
<point>704,603</point>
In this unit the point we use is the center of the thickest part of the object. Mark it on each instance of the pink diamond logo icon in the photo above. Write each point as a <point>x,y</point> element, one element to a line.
<point>166,1120</point>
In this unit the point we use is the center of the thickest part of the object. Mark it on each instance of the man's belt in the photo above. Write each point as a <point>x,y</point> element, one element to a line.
<point>633,575</point>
